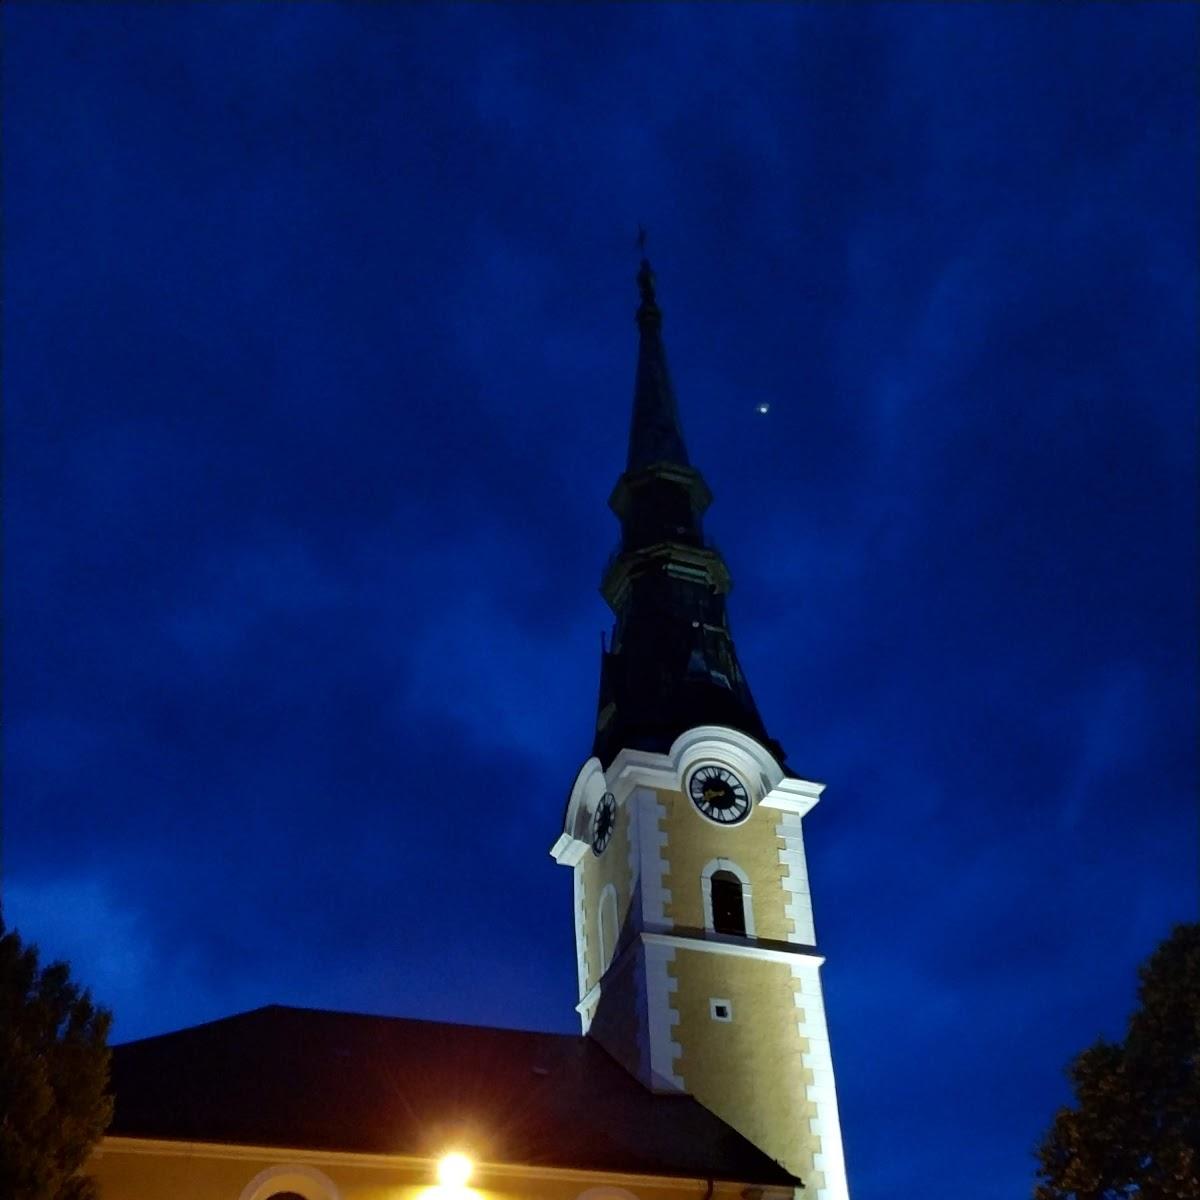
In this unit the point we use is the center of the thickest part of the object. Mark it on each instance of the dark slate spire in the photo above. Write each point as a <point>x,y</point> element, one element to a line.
<point>654,434</point>
<point>671,664</point>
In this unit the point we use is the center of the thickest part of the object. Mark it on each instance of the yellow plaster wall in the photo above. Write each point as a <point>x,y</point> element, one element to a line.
<point>693,842</point>
<point>610,867</point>
<point>123,1176</point>
<point>223,1173</point>
<point>749,1070</point>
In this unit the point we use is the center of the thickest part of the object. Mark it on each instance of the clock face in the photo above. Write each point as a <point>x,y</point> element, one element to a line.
<point>719,794</point>
<point>603,822</point>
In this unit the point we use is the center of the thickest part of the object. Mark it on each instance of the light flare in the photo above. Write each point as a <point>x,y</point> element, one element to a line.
<point>454,1170</point>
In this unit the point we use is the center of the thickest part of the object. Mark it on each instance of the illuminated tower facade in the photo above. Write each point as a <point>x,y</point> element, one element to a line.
<point>697,959</point>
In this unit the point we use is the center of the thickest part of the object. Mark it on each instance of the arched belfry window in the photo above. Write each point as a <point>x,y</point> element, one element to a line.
<point>728,909</point>
<point>728,904</point>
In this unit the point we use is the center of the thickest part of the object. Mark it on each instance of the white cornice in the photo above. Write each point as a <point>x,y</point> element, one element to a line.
<point>643,768</point>
<point>747,756</point>
<point>617,964</point>
<point>793,795</point>
<point>592,996</point>
<point>567,851</point>
<point>712,945</point>
<point>589,786</point>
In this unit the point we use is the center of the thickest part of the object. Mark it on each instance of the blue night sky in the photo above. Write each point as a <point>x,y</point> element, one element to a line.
<point>319,352</point>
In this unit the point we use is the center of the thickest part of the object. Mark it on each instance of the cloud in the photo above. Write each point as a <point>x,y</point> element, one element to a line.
<point>113,952</point>
<point>319,352</point>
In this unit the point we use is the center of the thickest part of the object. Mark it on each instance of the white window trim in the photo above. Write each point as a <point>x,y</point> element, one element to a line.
<point>291,1177</point>
<point>716,1002</point>
<point>607,939</point>
<point>725,864</point>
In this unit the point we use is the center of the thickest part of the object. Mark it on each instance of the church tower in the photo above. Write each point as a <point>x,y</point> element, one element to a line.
<point>697,958</point>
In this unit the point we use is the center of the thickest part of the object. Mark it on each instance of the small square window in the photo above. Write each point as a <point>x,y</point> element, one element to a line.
<point>720,1010</point>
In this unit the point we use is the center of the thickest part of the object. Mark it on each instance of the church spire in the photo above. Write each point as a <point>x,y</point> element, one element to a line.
<point>654,434</point>
<point>671,665</point>
<point>695,945</point>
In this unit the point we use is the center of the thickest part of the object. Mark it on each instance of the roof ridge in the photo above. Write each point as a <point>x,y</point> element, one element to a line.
<point>264,1009</point>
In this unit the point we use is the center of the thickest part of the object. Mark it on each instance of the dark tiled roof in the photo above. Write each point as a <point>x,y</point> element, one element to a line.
<point>313,1079</point>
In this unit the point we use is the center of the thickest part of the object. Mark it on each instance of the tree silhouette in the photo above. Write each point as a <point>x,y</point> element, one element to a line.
<point>1135,1127</point>
<point>54,1061</point>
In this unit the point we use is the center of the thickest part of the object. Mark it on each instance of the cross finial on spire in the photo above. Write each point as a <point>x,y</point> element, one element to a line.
<point>645,277</point>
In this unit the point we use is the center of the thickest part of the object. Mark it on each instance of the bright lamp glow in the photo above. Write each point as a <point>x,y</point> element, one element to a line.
<point>454,1170</point>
